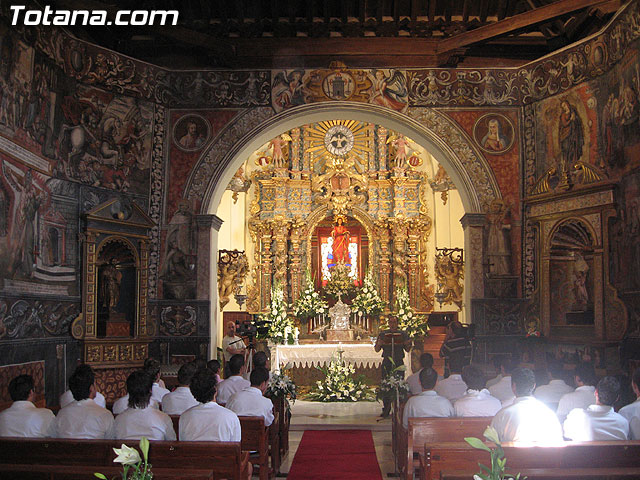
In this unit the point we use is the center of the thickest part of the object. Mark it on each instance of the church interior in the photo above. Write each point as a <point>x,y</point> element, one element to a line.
<point>476,162</point>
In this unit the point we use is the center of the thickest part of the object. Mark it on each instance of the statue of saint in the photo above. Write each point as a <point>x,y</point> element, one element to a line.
<point>110,279</point>
<point>341,239</point>
<point>498,239</point>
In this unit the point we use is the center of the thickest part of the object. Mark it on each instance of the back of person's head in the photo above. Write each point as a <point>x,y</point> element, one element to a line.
<point>201,363</point>
<point>152,367</point>
<point>554,367</point>
<point>186,373</point>
<point>608,390</point>
<point>236,362</point>
<point>503,363</point>
<point>203,385</point>
<point>258,376</point>
<point>213,365</point>
<point>260,360</point>
<point>524,381</point>
<point>139,385</point>
<point>473,377</point>
<point>80,383</point>
<point>426,360</point>
<point>20,387</point>
<point>635,378</point>
<point>428,378</point>
<point>457,329</point>
<point>586,373</point>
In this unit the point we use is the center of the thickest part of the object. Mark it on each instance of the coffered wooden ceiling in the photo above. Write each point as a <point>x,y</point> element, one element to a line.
<point>313,33</point>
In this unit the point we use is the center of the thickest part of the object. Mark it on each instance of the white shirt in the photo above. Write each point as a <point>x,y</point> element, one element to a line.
<point>67,397</point>
<point>596,422</point>
<point>415,387</point>
<point>477,403</point>
<point>250,402</point>
<point>122,404</point>
<point>634,428</point>
<point>229,386</point>
<point>24,419</point>
<point>426,404</point>
<point>502,389</point>
<point>552,392</point>
<point>178,401</point>
<point>83,419</point>
<point>581,397</point>
<point>227,342</point>
<point>209,422</point>
<point>528,420</point>
<point>451,388</point>
<point>493,381</point>
<point>135,423</point>
<point>630,412</point>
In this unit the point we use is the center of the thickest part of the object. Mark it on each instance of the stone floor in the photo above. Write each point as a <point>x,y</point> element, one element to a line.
<point>341,416</point>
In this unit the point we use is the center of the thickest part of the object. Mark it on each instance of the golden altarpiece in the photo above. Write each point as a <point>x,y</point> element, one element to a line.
<point>332,176</point>
<point>114,326</point>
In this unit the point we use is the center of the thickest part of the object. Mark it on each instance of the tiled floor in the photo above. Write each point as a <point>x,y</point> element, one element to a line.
<point>341,416</point>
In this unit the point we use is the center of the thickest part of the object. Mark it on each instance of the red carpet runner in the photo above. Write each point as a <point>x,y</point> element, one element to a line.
<point>335,454</point>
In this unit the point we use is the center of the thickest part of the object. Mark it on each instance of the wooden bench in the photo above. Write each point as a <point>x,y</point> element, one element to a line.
<point>223,459</point>
<point>430,431</point>
<point>460,456</point>
<point>558,474</point>
<point>83,472</point>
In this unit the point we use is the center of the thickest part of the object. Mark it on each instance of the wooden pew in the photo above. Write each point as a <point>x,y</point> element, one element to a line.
<point>558,474</point>
<point>263,440</point>
<point>460,456</point>
<point>281,409</point>
<point>430,431</point>
<point>84,472</point>
<point>223,459</point>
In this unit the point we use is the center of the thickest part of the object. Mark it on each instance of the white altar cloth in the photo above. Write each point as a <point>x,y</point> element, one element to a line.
<point>320,354</point>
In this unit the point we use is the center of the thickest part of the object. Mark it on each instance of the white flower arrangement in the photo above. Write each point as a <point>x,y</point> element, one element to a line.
<point>280,385</point>
<point>131,460</point>
<point>392,384</point>
<point>280,328</point>
<point>340,385</point>
<point>368,301</point>
<point>310,303</point>
<point>414,325</point>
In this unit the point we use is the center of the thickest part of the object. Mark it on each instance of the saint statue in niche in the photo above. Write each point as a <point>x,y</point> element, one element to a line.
<point>110,285</point>
<point>498,239</point>
<point>341,239</point>
<point>580,270</point>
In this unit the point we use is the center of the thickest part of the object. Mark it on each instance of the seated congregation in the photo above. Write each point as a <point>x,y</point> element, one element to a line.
<point>191,413</point>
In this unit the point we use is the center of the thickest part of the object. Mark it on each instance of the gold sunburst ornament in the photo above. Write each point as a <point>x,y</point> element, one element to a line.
<point>338,138</point>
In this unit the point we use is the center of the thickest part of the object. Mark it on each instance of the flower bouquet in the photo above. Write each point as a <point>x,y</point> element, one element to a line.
<point>280,385</point>
<point>414,325</point>
<point>280,328</point>
<point>340,284</point>
<point>133,467</point>
<point>367,301</point>
<point>392,386</point>
<point>310,303</point>
<point>340,384</point>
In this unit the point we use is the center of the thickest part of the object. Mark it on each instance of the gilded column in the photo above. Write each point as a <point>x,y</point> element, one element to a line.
<point>265,267</point>
<point>295,257</point>
<point>384,265</point>
<point>281,233</point>
<point>400,277</point>
<point>413,267</point>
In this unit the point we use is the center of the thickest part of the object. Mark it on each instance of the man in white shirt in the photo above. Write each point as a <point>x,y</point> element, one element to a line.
<point>477,401</point>
<point>415,387</point>
<point>141,419</point>
<point>584,394</point>
<point>453,387</point>
<point>427,403</point>
<point>152,367</point>
<point>499,361</point>
<point>82,418</point>
<point>632,411</point>
<point>67,397</point>
<point>181,399</point>
<point>235,382</point>
<point>502,388</point>
<point>251,401</point>
<point>231,345</point>
<point>551,393</point>
<point>527,420</point>
<point>208,421</point>
<point>599,421</point>
<point>23,418</point>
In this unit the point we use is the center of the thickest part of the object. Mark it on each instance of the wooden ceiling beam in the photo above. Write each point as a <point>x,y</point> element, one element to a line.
<point>516,22</point>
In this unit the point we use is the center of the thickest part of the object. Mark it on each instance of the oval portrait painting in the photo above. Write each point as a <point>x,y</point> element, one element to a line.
<point>494,133</point>
<point>191,132</point>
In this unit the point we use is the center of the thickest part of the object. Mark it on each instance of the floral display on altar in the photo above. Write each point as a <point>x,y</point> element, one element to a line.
<point>415,325</point>
<point>310,303</point>
<point>367,301</point>
<point>280,327</point>
<point>340,384</point>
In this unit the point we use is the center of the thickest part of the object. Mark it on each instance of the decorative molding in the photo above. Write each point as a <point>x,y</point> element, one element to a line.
<point>473,220</point>
<point>156,194</point>
<point>209,221</point>
<point>36,318</point>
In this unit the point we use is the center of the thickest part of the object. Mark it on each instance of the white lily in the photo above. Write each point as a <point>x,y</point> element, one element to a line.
<point>126,455</point>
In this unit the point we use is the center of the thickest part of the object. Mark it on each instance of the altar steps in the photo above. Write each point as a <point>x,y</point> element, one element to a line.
<point>432,344</point>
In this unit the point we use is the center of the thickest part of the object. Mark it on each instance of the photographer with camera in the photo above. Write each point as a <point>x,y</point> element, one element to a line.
<point>232,345</point>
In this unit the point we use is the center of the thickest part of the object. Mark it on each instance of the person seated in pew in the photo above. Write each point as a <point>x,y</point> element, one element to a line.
<point>632,411</point>
<point>67,397</point>
<point>152,367</point>
<point>141,419</point>
<point>208,421</point>
<point>599,421</point>
<point>527,420</point>
<point>181,399</point>
<point>552,392</point>
<point>251,401</point>
<point>427,403</point>
<point>235,382</point>
<point>426,361</point>
<point>453,387</point>
<point>502,389</point>
<point>584,394</point>
<point>83,418</point>
<point>261,360</point>
<point>214,366</point>
<point>23,418</point>
<point>498,362</point>
<point>477,401</point>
